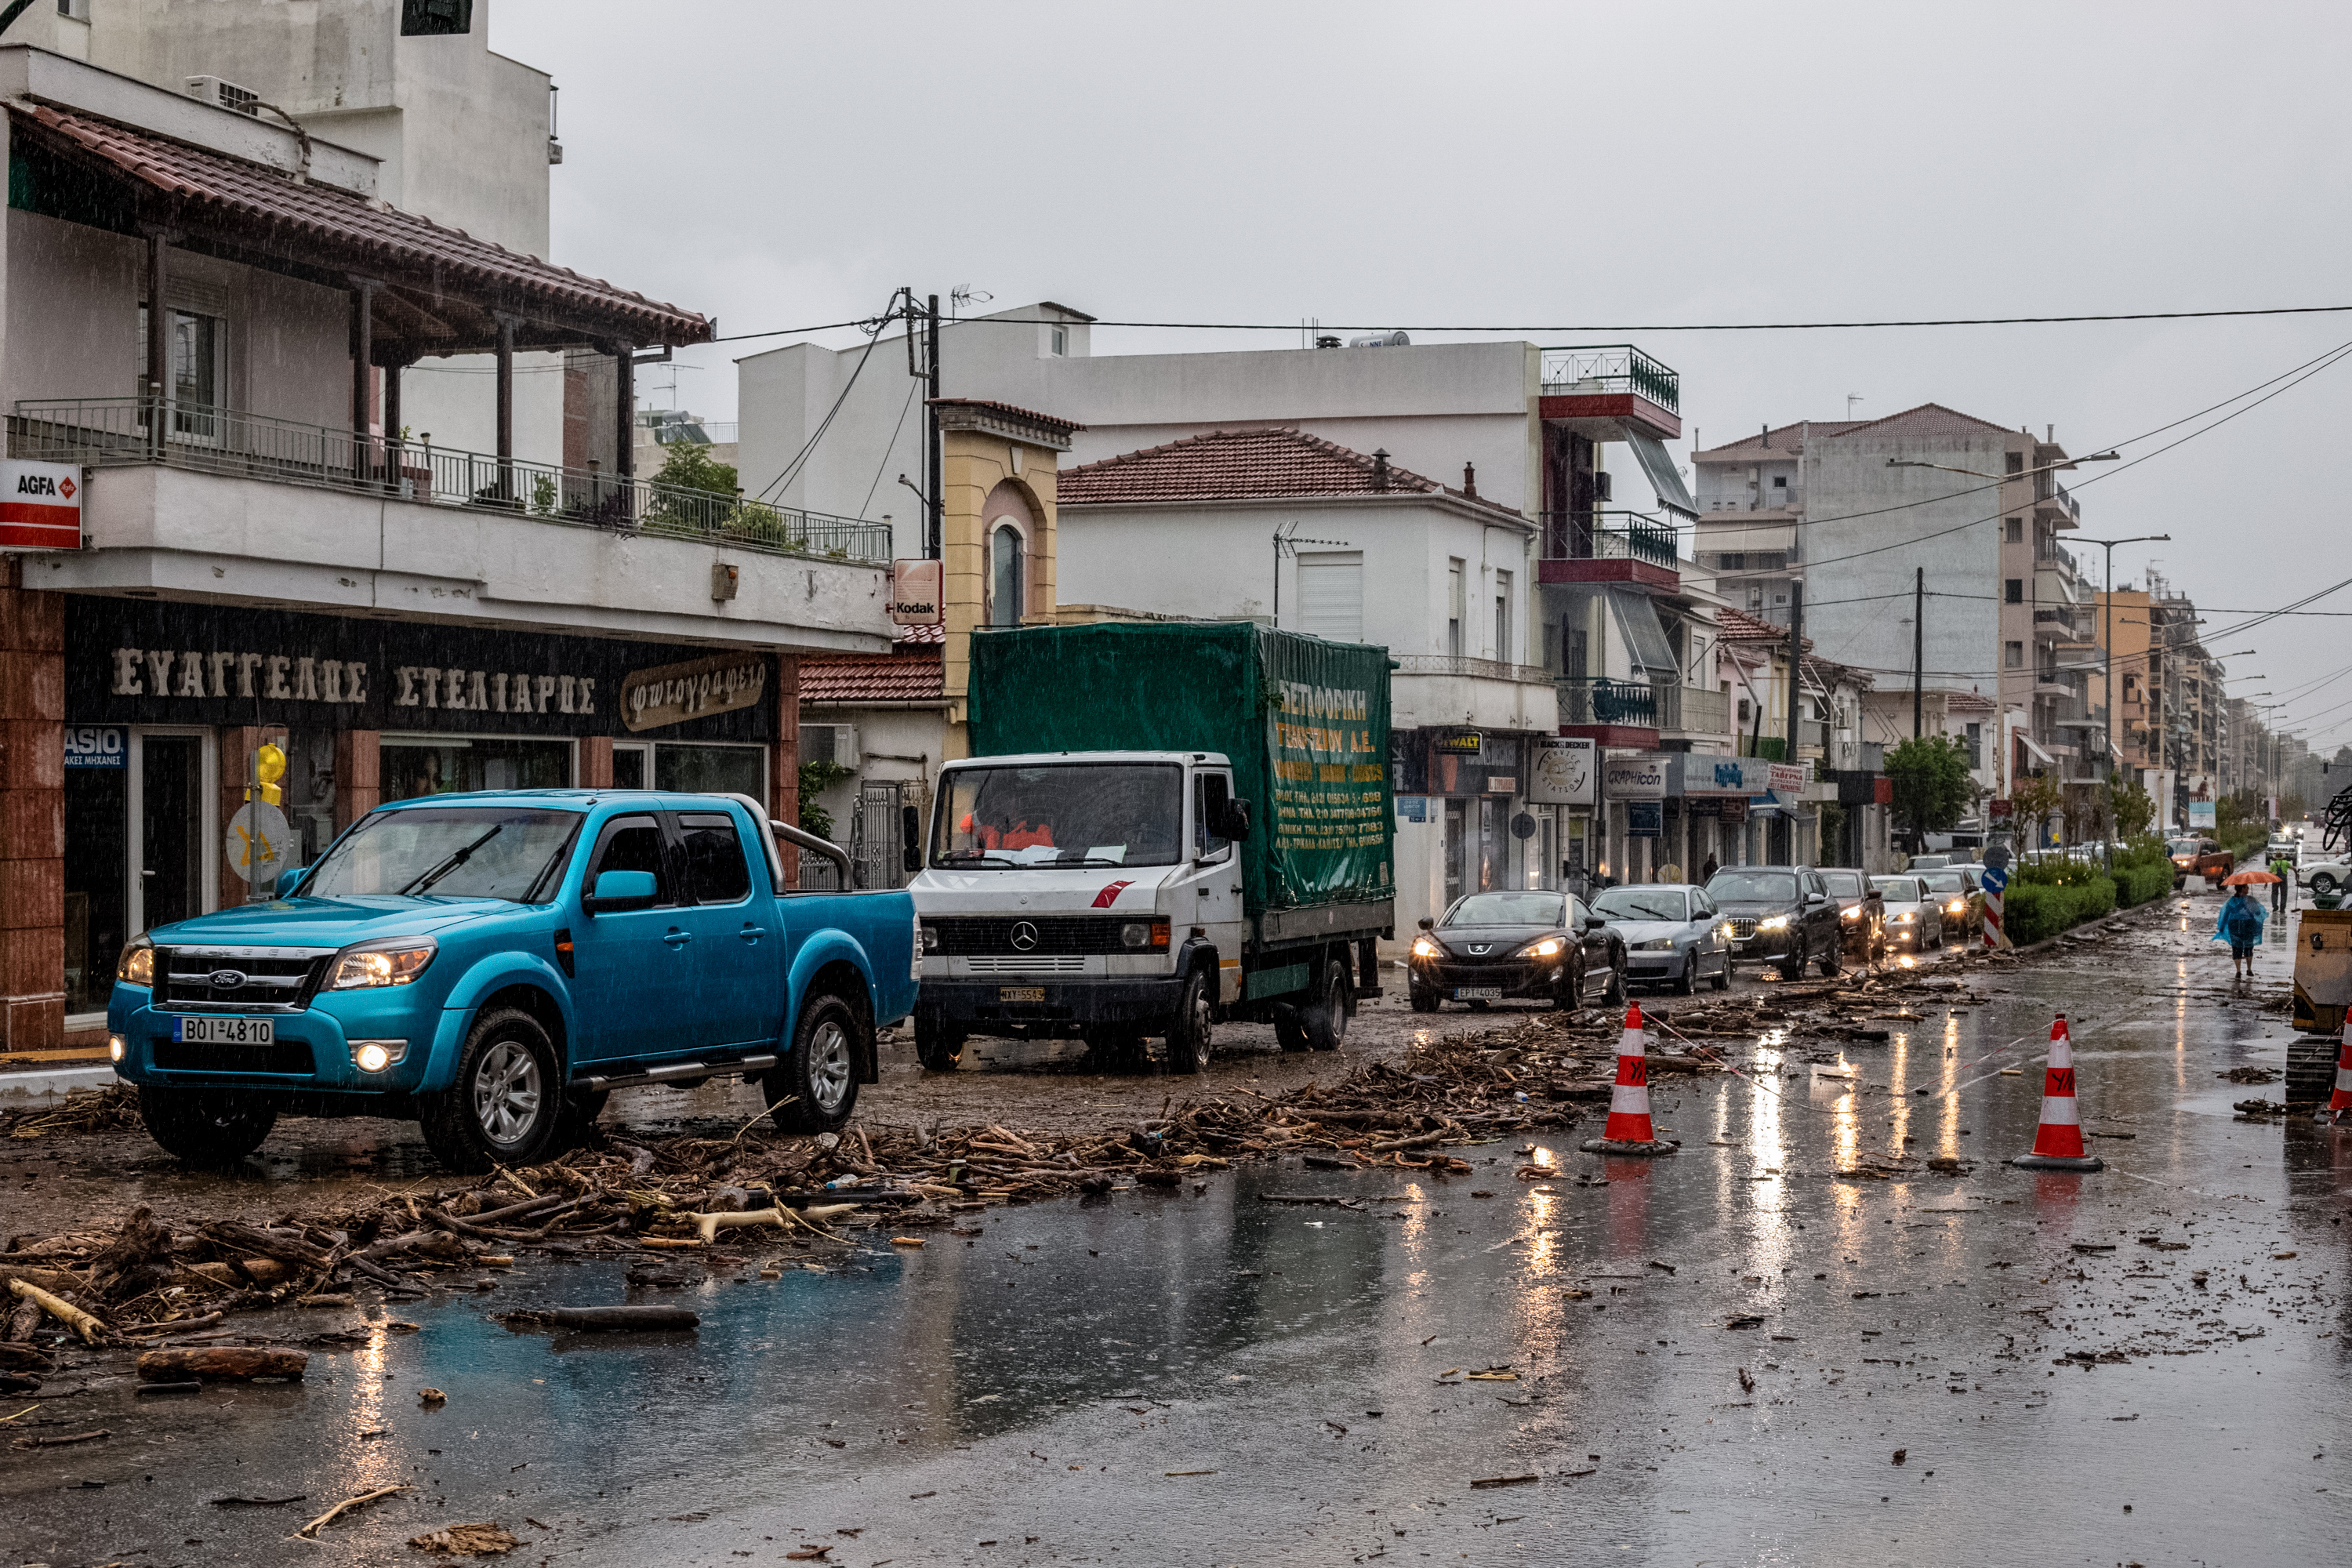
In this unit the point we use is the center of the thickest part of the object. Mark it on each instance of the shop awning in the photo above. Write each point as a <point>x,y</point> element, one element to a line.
<point>1658,464</point>
<point>1645,638</point>
<point>2027,741</point>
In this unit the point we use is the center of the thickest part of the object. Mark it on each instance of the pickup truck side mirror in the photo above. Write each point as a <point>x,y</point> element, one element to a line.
<point>619,890</point>
<point>911,830</point>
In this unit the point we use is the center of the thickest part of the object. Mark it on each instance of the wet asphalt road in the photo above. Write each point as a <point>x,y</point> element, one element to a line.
<point>1212,1378</point>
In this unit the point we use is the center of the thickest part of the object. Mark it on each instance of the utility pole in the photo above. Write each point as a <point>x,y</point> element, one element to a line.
<point>1796,656</point>
<point>1918,653</point>
<point>935,478</point>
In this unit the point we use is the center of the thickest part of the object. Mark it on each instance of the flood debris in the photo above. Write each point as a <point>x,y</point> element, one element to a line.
<point>223,1363</point>
<point>360,1500</point>
<point>484,1539</point>
<point>608,1320</point>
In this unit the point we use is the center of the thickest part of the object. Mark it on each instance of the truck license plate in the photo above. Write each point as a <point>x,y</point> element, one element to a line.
<point>1477,994</point>
<point>224,1031</point>
<point>1020,994</point>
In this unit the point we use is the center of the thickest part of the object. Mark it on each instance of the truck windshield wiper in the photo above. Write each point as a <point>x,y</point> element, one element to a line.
<point>456,858</point>
<point>973,857</point>
<point>1085,860</point>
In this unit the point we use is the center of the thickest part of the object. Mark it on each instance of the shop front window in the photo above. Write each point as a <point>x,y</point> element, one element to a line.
<point>418,765</point>
<point>711,769</point>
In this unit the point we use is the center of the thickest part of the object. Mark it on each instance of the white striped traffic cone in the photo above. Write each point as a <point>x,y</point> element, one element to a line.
<point>1628,1130</point>
<point>2058,1141</point>
<point>2341,1101</point>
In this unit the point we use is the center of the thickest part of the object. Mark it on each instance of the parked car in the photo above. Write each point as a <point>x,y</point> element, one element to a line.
<point>1489,947</point>
<point>1959,892</point>
<point>1862,914</point>
<point>2327,877</point>
<point>1931,862</point>
<point>494,964</point>
<point>1780,914</point>
<point>1671,934</point>
<point>2198,858</point>
<point>1914,919</point>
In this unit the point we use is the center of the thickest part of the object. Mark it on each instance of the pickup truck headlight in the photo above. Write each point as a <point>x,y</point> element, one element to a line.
<point>1777,922</point>
<point>384,963</point>
<point>1423,948</point>
<point>1543,947</point>
<point>137,965</point>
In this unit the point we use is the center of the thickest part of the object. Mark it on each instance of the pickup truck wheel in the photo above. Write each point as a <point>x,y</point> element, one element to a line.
<point>937,1046</point>
<point>507,1099</point>
<point>815,1088</point>
<point>1327,1021</point>
<point>204,1126</point>
<point>1189,1032</point>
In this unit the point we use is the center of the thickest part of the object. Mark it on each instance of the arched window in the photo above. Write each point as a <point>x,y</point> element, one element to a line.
<point>1007,575</point>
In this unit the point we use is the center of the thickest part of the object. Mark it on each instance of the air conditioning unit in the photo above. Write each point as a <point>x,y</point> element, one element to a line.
<point>834,743</point>
<point>221,94</point>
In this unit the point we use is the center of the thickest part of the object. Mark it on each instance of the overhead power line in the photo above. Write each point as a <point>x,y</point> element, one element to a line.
<point>1616,327</point>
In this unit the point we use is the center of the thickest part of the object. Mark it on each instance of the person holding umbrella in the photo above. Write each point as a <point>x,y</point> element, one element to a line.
<point>2241,923</point>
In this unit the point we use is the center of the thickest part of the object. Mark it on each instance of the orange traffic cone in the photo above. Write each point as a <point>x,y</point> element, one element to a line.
<point>2341,1101</point>
<point>2058,1142</point>
<point>1628,1130</point>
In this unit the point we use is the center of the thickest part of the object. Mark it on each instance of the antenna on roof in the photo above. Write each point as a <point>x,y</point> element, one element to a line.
<point>1851,399</point>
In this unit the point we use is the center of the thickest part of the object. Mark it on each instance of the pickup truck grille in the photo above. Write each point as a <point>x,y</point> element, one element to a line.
<point>996,936</point>
<point>267,979</point>
<point>1743,927</point>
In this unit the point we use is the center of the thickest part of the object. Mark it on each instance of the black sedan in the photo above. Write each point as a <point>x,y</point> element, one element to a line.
<point>1489,947</point>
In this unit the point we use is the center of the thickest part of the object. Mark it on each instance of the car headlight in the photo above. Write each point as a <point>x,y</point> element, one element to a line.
<point>137,965</point>
<point>1777,922</point>
<point>1543,947</point>
<point>1955,907</point>
<point>1423,948</point>
<point>1853,914</point>
<point>1658,945</point>
<point>387,963</point>
<point>1905,917</point>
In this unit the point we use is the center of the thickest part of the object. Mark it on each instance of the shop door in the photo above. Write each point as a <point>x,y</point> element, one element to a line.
<point>169,826</point>
<point>1454,850</point>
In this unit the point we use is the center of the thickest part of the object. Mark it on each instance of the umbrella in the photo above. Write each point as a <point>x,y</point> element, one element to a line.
<point>2242,878</point>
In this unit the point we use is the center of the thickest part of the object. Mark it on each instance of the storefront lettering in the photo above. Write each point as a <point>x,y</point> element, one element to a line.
<point>667,695</point>
<point>490,690</point>
<point>197,675</point>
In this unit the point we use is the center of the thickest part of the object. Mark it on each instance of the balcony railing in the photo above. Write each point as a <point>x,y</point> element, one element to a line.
<point>1700,711</point>
<point>2051,551</point>
<point>1595,700</point>
<point>1610,535</point>
<point>118,432</point>
<point>1617,367</point>
<point>1479,669</point>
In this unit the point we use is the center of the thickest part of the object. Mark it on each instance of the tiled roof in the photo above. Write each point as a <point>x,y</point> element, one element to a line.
<point>1787,441</point>
<point>843,679</point>
<point>1242,464</point>
<point>1928,419</point>
<point>906,635</point>
<point>1738,626</point>
<point>275,208</point>
<point>1007,410</point>
<point>1968,702</point>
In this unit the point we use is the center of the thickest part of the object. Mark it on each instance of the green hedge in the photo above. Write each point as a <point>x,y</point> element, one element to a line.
<point>2044,906</point>
<point>2142,872</point>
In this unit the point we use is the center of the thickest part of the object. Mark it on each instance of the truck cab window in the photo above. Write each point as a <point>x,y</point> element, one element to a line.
<point>715,872</point>
<point>1209,793</point>
<point>633,843</point>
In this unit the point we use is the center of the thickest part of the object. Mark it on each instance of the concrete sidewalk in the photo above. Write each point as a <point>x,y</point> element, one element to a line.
<point>19,1089</point>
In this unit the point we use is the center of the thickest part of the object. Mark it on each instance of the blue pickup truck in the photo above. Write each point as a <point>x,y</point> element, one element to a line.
<point>495,965</point>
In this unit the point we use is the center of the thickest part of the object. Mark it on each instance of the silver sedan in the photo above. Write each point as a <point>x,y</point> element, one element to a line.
<point>1671,934</point>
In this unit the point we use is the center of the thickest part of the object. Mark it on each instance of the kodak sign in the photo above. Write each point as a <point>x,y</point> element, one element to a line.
<point>40,505</point>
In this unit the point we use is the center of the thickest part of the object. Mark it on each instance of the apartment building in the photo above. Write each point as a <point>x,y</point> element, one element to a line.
<point>1924,545</point>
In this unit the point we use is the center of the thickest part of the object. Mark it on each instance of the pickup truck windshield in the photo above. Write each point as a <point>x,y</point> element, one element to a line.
<point>1067,813</point>
<point>1754,887</point>
<point>448,852</point>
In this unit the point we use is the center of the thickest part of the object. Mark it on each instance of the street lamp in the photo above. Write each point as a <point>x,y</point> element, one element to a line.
<point>2107,650</point>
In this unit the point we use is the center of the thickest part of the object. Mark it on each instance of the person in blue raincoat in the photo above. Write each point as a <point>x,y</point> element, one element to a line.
<point>2240,925</point>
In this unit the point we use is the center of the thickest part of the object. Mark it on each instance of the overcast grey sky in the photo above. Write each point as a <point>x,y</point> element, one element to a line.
<point>1377,163</point>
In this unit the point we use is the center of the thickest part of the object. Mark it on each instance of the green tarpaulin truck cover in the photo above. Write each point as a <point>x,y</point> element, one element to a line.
<point>1305,722</point>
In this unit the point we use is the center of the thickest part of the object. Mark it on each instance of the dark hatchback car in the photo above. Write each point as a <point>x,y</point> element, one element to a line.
<point>1862,913</point>
<point>1780,914</point>
<point>1490,947</point>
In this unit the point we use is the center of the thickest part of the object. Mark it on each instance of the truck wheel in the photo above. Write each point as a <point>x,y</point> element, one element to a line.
<point>504,1106</point>
<point>815,1088</point>
<point>1290,1028</point>
<point>204,1126</point>
<point>1189,1031</point>
<point>939,1047</point>
<point>1327,1021</point>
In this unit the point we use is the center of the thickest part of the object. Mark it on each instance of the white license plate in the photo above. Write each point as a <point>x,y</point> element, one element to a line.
<point>1020,994</point>
<point>1477,994</point>
<point>224,1031</point>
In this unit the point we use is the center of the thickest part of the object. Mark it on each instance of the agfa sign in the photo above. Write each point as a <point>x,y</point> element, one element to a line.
<point>40,505</point>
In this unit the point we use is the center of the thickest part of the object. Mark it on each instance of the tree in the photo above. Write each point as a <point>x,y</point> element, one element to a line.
<point>2133,809</point>
<point>689,466</point>
<point>817,776</point>
<point>2033,800</point>
<point>1932,787</point>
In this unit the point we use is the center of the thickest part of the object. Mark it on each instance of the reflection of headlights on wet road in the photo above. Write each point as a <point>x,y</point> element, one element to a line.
<point>1423,948</point>
<point>1544,948</point>
<point>1777,922</point>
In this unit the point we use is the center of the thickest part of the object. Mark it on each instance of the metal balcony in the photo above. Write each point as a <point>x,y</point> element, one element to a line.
<point>1612,368</point>
<point>1456,664</point>
<point>1596,700</point>
<point>128,432</point>
<point>1611,535</point>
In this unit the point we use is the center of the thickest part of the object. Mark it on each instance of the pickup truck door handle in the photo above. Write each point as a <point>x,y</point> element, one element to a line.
<point>751,932</point>
<point>676,938</point>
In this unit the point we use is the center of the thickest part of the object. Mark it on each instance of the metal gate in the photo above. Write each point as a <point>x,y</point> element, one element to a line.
<point>876,840</point>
